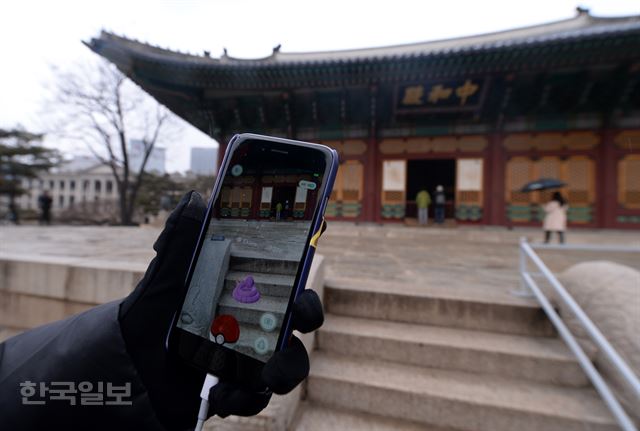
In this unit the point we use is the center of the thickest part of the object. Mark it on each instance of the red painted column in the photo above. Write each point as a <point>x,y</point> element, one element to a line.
<point>495,171</point>
<point>256,198</point>
<point>606,182</point>
<point>370,191</point>
<point>378,184</point>
<point>372,196</point>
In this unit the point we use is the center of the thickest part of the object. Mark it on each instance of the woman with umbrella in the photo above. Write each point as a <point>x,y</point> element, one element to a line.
<point>555,218</point>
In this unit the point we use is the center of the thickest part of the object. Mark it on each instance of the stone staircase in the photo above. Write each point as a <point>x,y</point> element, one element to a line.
<point>282,239</point>
<point>273,279</point>
<point>396,360</point>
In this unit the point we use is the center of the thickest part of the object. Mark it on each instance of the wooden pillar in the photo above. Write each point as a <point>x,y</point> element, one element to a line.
<point>372,171</point>
<point>495,171</point>
<point>286,101</point>
<point>371,192</point>
<point>606,182</point>
<point>256,199</point>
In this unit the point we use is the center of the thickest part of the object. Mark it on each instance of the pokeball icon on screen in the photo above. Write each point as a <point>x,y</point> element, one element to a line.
<point>225,329</point>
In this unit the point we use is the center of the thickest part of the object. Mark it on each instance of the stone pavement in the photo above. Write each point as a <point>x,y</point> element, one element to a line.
<point>117,247</point>
<point>481,262</point>
<point>465,260</point>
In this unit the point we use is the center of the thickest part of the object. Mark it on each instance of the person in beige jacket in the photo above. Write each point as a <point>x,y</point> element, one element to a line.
<point>555,218</point>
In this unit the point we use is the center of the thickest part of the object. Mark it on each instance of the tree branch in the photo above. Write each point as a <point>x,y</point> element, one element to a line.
<point>102,110</point>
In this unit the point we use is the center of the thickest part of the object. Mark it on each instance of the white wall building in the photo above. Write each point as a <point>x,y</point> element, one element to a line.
<point>204,160</point>
<point>156,161</point>
<point>84,180</point>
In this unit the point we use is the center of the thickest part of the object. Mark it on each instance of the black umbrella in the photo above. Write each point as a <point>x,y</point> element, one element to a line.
<point>542,184</point>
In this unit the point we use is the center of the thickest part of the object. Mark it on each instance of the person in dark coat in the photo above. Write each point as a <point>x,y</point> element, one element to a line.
<point>441,200</point>
<point>108,368</point>
<point>14,215</point>
<point>44,202</point>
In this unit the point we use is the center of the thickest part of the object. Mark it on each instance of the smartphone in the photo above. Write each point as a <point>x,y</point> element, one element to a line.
<point>253,255</point>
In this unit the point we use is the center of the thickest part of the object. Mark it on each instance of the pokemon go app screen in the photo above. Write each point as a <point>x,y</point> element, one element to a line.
<point>246,269</point>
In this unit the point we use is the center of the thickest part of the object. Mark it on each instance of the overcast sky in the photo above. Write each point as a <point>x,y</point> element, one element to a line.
<point>36,34</point>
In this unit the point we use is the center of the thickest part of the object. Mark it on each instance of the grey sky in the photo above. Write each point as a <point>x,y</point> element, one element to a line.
<point>35,34</point>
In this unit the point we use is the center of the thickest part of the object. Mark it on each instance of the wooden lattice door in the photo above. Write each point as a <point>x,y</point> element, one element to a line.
<point>394,184</point>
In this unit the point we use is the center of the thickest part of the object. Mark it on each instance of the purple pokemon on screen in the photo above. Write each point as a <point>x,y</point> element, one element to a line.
<point>246,291</point>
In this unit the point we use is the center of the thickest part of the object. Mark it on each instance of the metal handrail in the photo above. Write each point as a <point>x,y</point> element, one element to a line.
<point>527,251</point>
<point>587,247</point>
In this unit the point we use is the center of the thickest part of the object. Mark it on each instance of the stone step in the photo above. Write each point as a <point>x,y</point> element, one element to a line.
<point>267,284</point>
<point>512,316</point>
<point>533,358</point>
<point>18,310</point>
<point>453,399</point>
<point>262,263</point>
<point>255,228</point>
<point>316,417</point>
<point>251,313</point>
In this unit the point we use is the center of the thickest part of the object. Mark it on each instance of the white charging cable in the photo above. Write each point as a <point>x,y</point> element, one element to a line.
<point>209,382</point>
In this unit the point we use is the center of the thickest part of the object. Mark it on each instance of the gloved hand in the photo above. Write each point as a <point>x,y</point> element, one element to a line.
<point>145,317</point>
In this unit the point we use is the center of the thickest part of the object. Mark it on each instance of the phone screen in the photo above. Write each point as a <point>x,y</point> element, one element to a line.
<point>243,279</point>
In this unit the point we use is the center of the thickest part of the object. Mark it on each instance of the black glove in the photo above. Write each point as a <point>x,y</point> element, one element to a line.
<point>145,317</point>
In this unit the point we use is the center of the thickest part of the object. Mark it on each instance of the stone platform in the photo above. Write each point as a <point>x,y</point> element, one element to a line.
<point>401,301</point>
<point>448,258</point>
<point>458,263</point>
<point>461,262</point>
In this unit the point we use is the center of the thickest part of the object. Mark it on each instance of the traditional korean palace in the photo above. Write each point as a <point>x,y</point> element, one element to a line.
<point>479,115</point>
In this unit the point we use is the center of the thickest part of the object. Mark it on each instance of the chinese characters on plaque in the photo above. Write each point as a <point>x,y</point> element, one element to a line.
<point>461,94</point>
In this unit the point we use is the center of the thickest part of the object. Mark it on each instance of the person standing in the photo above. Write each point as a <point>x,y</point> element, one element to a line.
<point>555,218</point>
<point>440,199</point>
<point>14,216</point>
<point>278,211</point>
<point>423,200</point>
<point>44,202</point>
<point>287,210</point>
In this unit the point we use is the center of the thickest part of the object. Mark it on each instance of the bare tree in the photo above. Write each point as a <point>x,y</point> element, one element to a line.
<point>98,106</point>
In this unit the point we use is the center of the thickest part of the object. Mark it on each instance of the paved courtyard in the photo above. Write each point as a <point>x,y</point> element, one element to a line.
<point>481,262</point>
<point>463,261</point>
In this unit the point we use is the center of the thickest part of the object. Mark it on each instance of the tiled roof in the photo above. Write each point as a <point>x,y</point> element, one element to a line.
<point>582,26</point>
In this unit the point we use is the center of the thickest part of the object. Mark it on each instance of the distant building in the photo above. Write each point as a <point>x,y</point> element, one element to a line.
<point>204,160</point>
<point>156,161</point>
<point>81,182</point>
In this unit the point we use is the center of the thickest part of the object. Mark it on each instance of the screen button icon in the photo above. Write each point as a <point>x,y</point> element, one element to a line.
<point>309,185</point>
<point>268,322</point>
<point>261,345</point>
<point>236,170</point>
